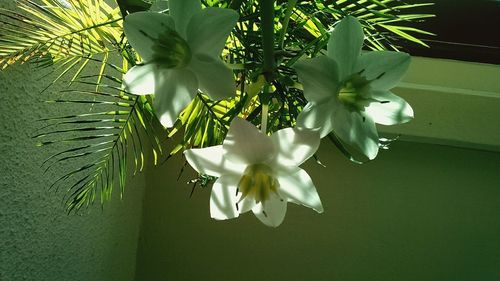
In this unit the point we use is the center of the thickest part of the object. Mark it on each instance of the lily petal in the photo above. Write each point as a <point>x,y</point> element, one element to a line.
<point>390,109</point>
<point>385,68</point>
<point>210,161</point>
<point>317,116</point>
<point>294,145</point>
<point>174,92</point>
<point>298,188</point>
<point>245,144</point>
<point>159,6</point>
<point>272,211</point>
<point>182,11</point>
<point>223,198</point>
<point>319,76</point>
<point>214,77</point>
<point>356,130</point>
<point>143,79</point>
<point>208,30</point>
<point>345,45</point>
<point>247,204</point>
<point>143,30</point>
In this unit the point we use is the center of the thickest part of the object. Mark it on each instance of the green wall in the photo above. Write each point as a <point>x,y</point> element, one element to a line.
<point>418,212</point>
<point>38,241</point>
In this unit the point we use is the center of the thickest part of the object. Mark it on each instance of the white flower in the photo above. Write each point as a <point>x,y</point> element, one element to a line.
<point>257,172</point>
<point>180,55</point>
<point>348,92</point>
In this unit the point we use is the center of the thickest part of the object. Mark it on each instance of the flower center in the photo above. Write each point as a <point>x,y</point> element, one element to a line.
<point>351,93</point>
<point>171,50</point>
<point>258,182</point>
<point>348,95</point>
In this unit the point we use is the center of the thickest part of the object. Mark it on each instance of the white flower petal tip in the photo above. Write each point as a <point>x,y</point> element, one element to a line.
<point>207,161</point>
<point>223,198</point>
<point>208,30</point>
<point>211,161</point>
<point>390,110</point>
<point>177,87</point>
<point>361,94</point>
<point>295,145</point>
<point>140,79</point>
<point>384,69</point>
<point>271,212</point>
<point>258,172</point>
<point>344,45</point>
<point>298,187</point>
<point>370,149</point>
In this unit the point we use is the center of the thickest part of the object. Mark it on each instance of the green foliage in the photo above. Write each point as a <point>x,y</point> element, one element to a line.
<point>114,127</point>
<point>301,30</point>
<point>50,34</point>
<point>112,124</point>
<point>119,128</point>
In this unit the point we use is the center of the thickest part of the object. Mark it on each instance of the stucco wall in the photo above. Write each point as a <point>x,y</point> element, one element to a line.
<point>38,241</point>
<point>418,212</point>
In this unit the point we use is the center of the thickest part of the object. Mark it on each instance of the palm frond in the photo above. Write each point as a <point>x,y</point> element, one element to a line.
<point>385,22</point>
<point>98,145</point>
<point>67,35</point>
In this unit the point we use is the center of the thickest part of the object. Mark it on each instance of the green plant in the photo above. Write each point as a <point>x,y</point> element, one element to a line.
<point>74,37</point>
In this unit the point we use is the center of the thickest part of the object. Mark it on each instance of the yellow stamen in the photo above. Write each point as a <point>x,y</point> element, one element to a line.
<point>258,182</point>
<point>351,93</point>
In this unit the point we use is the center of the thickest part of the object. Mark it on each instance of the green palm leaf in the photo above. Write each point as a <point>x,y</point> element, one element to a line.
<point>384,21</point>
<point>49,32</point>
<point>119,128</point>
<point>70,39</point>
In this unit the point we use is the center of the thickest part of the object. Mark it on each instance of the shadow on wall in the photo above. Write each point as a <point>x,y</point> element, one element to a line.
<point>38,240</point>
<point>419,212</point>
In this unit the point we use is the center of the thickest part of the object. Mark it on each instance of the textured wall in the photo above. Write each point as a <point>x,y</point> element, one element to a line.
<point>38,241</point>
<point>418,212</point>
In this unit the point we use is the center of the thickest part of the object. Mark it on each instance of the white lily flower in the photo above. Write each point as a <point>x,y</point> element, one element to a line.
<point>180,53</point>
<point>257,172</point>
<point>348,92</point>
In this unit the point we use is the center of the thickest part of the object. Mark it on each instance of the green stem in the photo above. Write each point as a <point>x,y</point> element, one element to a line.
<point>288,14</point>
<point>264,113</point>
<point>269,63</point>
<point>267,18</point>
<point>263,125</point>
